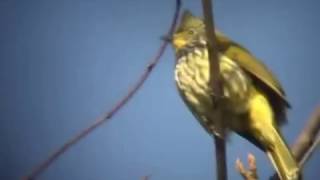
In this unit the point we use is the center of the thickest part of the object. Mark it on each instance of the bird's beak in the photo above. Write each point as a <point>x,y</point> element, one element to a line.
<point>177,40</point>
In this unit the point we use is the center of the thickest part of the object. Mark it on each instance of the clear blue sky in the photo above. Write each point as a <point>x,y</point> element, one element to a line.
<point>63,63</point>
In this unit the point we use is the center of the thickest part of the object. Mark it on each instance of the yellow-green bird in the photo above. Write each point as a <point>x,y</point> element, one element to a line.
<point>253,103</point>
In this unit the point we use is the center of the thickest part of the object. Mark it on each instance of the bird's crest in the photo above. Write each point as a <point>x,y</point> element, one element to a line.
<point>188,20</point>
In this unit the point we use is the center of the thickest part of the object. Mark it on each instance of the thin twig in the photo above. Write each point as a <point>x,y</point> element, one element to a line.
<point>307,136</point>
<point>309,153</point>
<point>108,115</point>
<point>215,84</point>
<point>251,172</point>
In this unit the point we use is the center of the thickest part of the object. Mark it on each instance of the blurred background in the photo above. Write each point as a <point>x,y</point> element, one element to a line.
<point>63,63</point>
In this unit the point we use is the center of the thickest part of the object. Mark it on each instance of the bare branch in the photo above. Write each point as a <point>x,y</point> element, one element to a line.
<point>109,114</point>
<point>215,84</point>
<point>307,136</point>
<point>309,153</point>
<point>221,158</point>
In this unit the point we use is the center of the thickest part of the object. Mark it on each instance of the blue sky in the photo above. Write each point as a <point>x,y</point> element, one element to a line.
<point>63,63</point>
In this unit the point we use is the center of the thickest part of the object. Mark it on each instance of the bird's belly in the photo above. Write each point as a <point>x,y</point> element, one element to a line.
<point>192,78</point>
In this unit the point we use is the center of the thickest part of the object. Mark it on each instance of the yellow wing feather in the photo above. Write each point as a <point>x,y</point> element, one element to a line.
<point>250,63</point>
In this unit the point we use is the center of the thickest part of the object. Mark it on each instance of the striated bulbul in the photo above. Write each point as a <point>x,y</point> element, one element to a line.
<point>253,103</point>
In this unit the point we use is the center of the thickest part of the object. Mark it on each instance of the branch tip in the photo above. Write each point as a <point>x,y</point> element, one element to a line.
<point>37,170</point>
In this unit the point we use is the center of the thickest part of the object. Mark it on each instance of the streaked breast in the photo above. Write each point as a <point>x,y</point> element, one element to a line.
<point>192,77</point>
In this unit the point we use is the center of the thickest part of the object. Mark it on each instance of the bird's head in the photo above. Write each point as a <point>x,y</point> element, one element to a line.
<point>190,32</point>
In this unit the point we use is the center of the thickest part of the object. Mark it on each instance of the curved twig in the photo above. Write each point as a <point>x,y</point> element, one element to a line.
<point>108,115</point>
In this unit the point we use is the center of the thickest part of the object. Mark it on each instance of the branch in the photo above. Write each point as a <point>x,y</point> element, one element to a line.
<point>251,172</point>
<point>309,153</point>
<point>307,137</point>
<point>215,84</point>
<point>108,115</point>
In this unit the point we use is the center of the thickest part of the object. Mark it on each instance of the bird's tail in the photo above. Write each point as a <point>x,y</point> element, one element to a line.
<point>266,134</point>
<point>281,157</point>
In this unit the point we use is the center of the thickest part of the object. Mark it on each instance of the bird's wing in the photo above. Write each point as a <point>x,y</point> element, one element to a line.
<point>250,64</point>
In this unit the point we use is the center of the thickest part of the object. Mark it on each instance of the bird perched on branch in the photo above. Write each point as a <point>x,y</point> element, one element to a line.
<point>253,103</point>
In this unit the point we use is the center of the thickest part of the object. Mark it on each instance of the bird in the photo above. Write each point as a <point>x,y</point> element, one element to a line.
<point>253,103</point>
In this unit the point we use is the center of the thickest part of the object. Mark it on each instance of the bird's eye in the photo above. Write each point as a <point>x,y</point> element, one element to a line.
<point>191,32</point>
